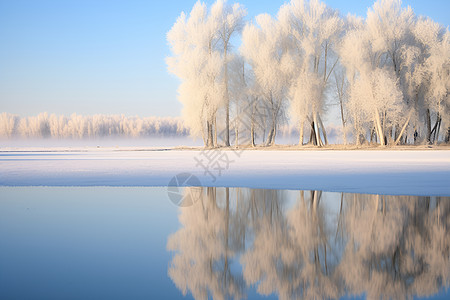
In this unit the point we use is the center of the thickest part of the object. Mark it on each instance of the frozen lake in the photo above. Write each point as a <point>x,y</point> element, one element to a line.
<point>91,223</point>
<point>419,172</point>
<point>134,243</point>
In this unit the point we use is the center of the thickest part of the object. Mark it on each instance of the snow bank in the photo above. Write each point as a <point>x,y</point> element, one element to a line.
<point>381,172</point>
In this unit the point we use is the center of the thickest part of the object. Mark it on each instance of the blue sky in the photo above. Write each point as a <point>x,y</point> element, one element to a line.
<point>92,56</point>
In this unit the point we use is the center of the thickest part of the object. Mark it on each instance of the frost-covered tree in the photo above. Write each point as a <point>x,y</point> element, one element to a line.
<point>240,98</point>
<point>313,29</point>
<point>230,19</point>
<point>391,72</point>
<point>250,111</point>
<point>198,63</point>
<point>340,78</point>
<point>78,126</point>
<point>433,75</point>
<point>405,60</point>
<point>372,55</point>
<point>389,26</point>
<point>35,126</point>
<point>341,92</point>
<point>8,124</point>
<point>200,44</point>
<point>264,46</point>
<point>307,96</point>
<point>377,97</point>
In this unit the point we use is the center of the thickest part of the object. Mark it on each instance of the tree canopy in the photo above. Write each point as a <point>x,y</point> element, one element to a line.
<point>389,73</point>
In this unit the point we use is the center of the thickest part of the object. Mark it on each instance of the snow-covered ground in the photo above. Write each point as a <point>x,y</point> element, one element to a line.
<point>386,172</point>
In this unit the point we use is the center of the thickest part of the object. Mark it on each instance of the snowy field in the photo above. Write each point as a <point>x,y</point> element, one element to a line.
<point>422,172</point>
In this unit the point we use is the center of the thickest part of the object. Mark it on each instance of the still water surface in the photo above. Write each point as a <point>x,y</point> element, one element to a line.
<point>134,243</point>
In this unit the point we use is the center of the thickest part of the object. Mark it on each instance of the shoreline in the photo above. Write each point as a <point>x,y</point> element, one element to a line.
<point>280,147</point>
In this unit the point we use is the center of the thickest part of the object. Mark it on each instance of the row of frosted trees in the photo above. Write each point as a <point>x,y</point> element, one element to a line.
<point>388,74</point>
<point>383,247</point>
<point>78,126</point>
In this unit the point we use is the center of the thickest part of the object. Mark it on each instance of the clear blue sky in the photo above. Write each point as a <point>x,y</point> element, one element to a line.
<point>91,56</point>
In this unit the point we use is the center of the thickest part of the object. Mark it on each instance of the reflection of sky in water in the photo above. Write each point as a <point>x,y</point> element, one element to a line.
<point>103,242</point>
<point>85,243</point>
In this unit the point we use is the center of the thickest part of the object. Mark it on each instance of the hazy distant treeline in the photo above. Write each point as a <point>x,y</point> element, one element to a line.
<point>78,126</point>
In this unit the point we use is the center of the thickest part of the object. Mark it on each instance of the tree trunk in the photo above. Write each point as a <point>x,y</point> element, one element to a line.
<point>437,133</point>
<point>383,122</point>
<point>378,127</point>
<point>389,137</point>
<point>373,135</point>
<point>343,119</point>
<point>252,133</point>
<point>205,142</point>
<point>271,136</point>
<point>227,97</point>
<point>396,131</point>
<point>252,126</point>
<point>273,130</point>
<point>403,129</point>
<point>324,131</point>
<point>215,131</point>
<point>437,127</point>
<point>300,142</point>
<point>317,132</point>
<point>210,141</point>
<point>264,129</point>
<point>312,135</point>
<point>236,133</point>
<point>428,121</point>
<point>416,134</point>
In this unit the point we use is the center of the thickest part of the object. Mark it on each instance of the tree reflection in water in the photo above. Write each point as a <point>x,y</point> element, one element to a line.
<point>383,246</point>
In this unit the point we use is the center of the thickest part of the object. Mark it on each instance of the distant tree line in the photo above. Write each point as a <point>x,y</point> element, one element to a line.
<point>78,126</point>
<point>389,74</point>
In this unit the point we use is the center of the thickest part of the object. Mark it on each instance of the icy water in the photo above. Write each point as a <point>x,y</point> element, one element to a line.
<point>135,243</point>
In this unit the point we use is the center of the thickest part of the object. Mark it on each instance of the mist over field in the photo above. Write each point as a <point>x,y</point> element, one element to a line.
<point>97,126</point>
<point>114,130</point>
